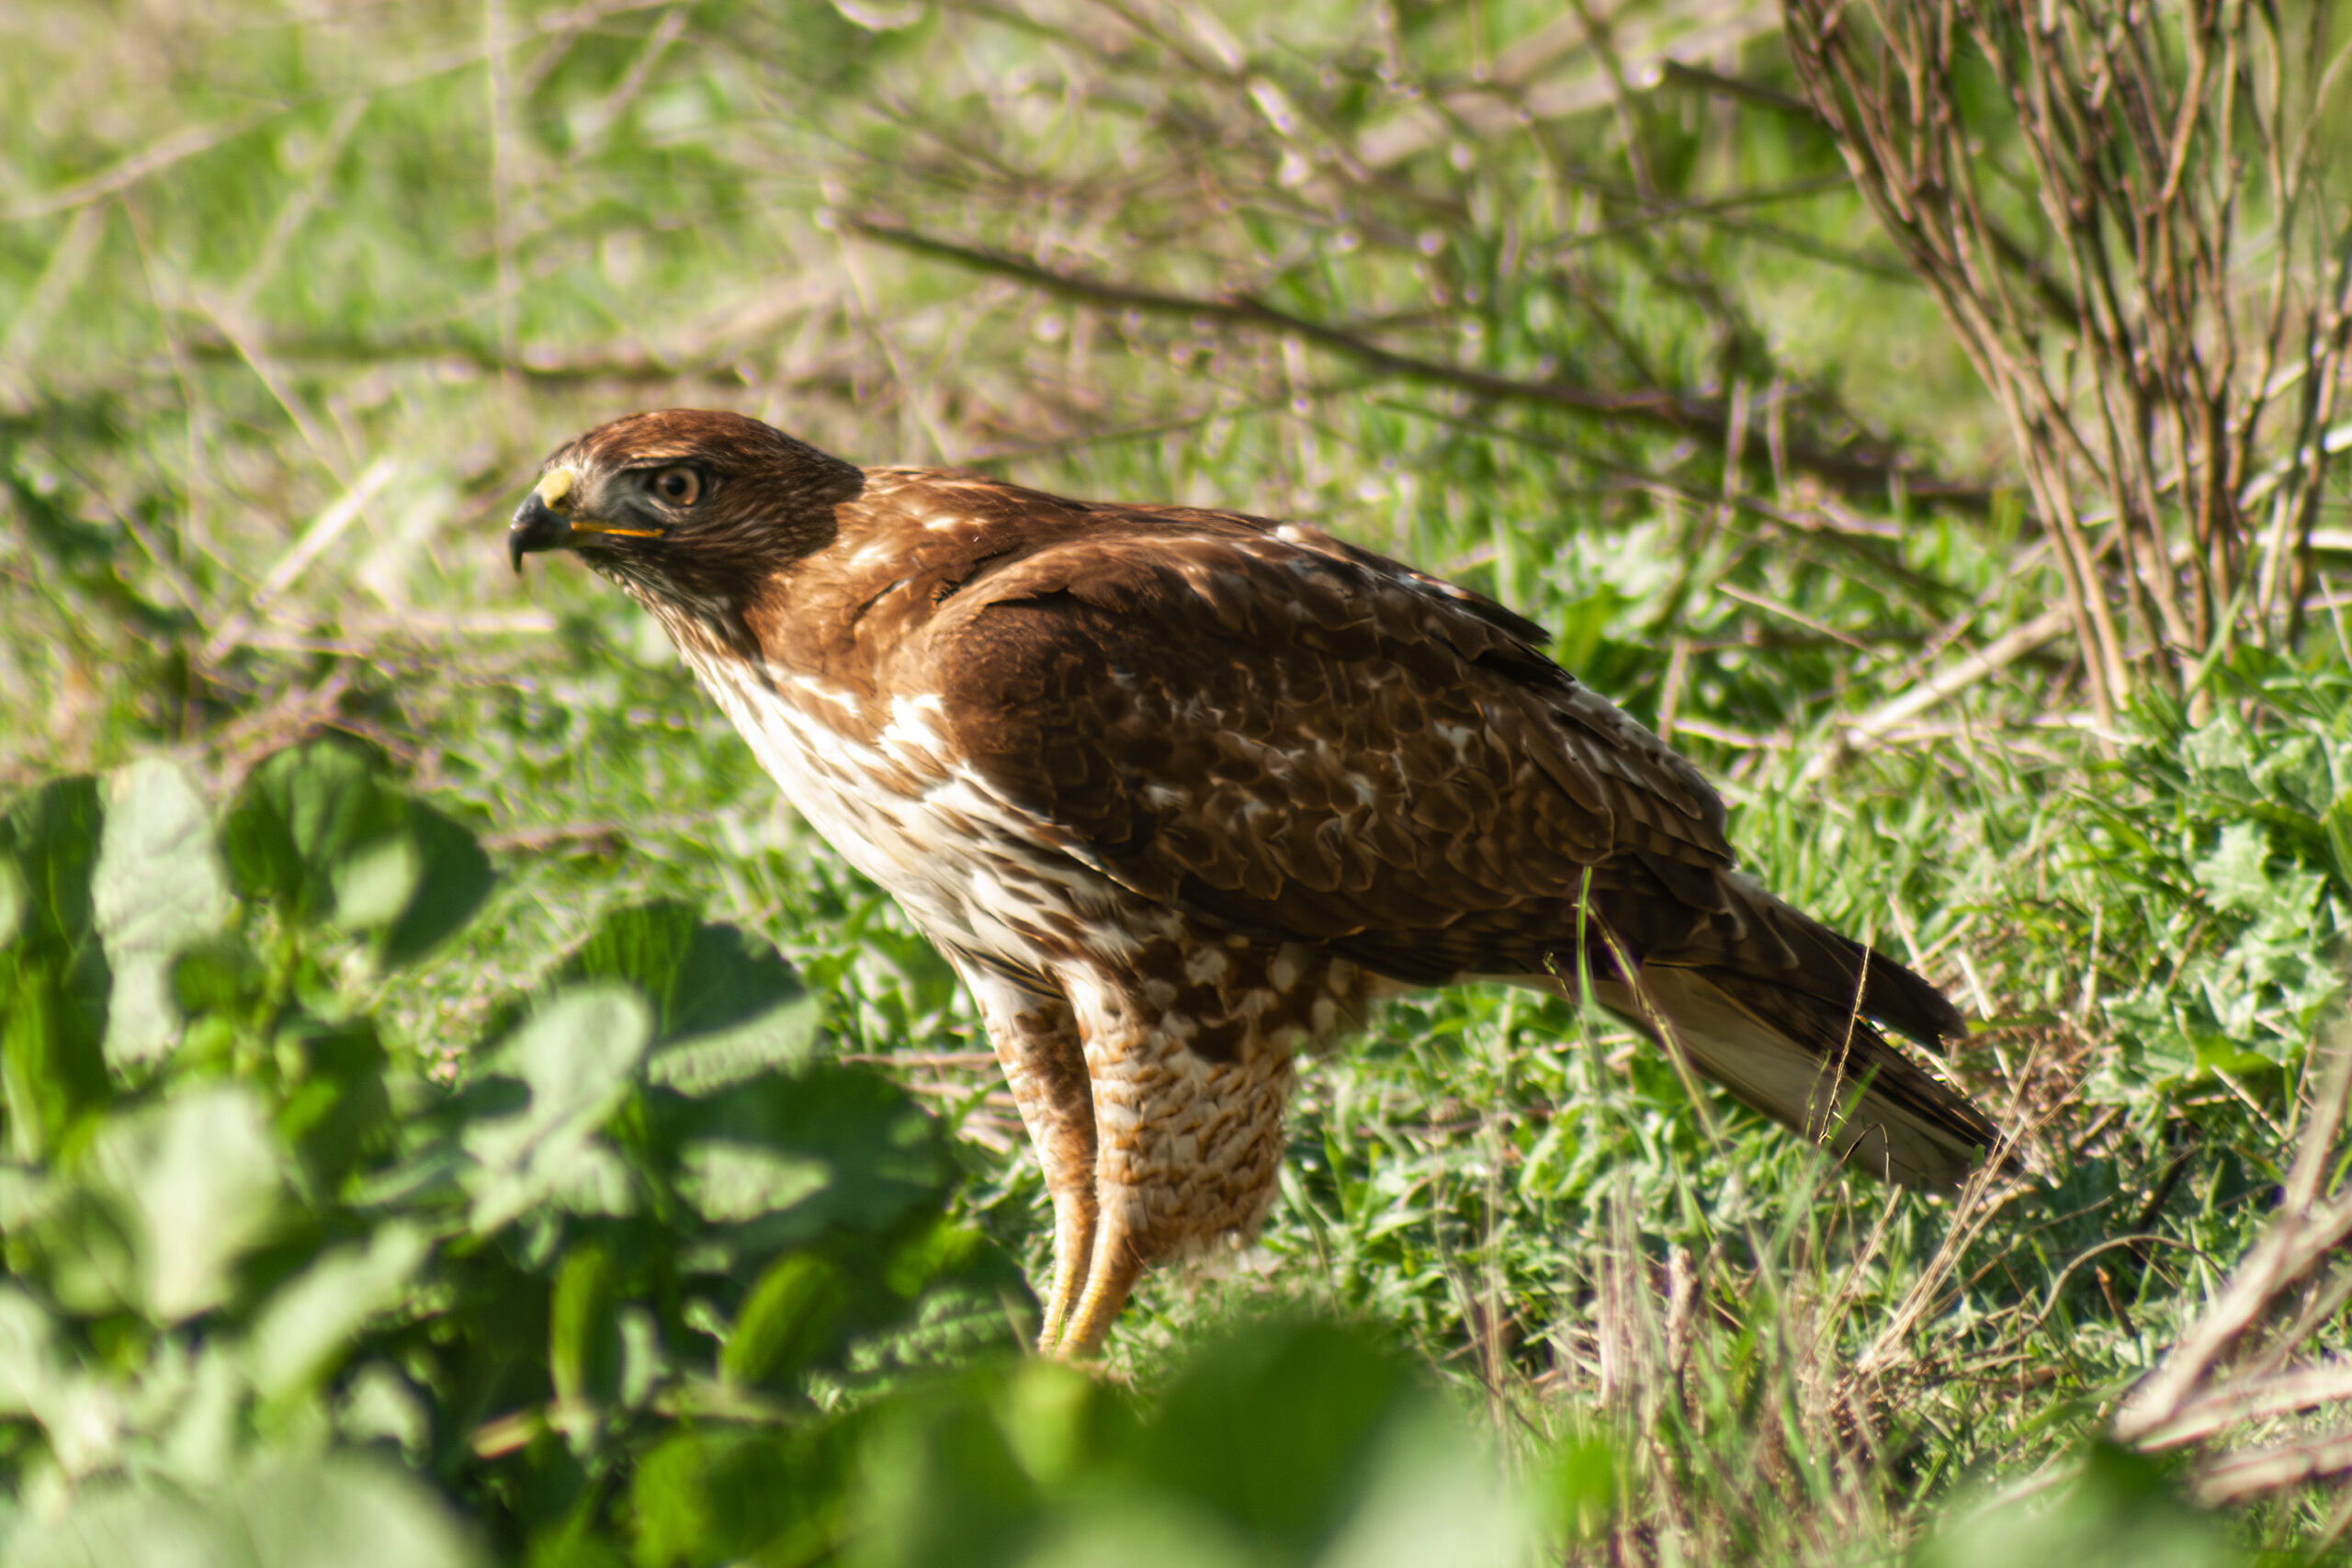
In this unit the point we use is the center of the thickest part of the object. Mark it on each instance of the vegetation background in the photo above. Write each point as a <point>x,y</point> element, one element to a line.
<point>419,1147</point>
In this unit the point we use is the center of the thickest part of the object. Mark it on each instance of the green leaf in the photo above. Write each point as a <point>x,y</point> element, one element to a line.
<point>219,974</point>
<point>373,882</point>
<point>787,1320</point>
<point>729,1182</point>
<point>298,823</point>
<point>578,1058</point>
<point>319,829</point>
<point>312,1319</point>
<point>1273,1427</point>
<point>942,1482</point>
<point>54,836</point>
<point>354,1511</point>
<point>27,1354</point>
<point>886,1154</point>
<point>1430,1491</point>
<point>727,1005</point>
<point>158,886</point>
<point>199,1179</point>
<point>53,1066</point>
<point>54,981</point>
<point>452,878</point>
<point>1134,1528</point>
<point>347,1509</point>
<point>2237,874</point>
<point>584,1330</point>
<point>643,945</point>
<point>705,1498</point>
<point>2121,1513</point>
<point>336,1113</point>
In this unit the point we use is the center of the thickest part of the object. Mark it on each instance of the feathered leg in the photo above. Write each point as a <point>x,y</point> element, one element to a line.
<point>1036,1041</point>
<point>1188,1145</point>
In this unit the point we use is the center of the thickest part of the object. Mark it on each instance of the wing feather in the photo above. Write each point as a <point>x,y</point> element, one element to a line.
<point>1261,722</point>
<point>1305,741</point>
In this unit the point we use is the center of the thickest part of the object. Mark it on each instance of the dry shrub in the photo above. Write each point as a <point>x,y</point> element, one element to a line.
<point>2128,215</point>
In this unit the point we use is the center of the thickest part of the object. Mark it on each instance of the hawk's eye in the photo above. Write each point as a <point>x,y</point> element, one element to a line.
<point>679,486</point>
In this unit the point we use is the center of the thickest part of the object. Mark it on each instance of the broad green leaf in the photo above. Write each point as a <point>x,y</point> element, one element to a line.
<point>780,1040</point>
<point>1059,1421</point>
<point>887,1155</point>
<point>300,819</point>
<point>1133,1528</point>
<point>158,886</point>
<point>52,1064</point>
<point>27,1353</point>
<point>1273,1427</point>
<point>787,1320</point>
<point>53,978</point>
<point>583,1329</point>
<point>119,1528</point>
<point>200,1180</point>
<point>218,974</point>
<point>319,828</point>
<point>453,878</point>
<point>350,1510</point>
<point>344,1509</point>
<point>378,1404</point>
<point>727,1005</point>
<point>375,881</point>
<point>313,1318</point>
<point>1432,1492</point>
<point>335,1112</point>
<point>577,1057</point>
<point>2120,1513</point>
<point>941,1484</point>
<point>201,1447</point>
<point>83,1248</point>
<point>54,838</point>
<point>709,1497</point>
<point>728,1182</point>
<point>727,979</point>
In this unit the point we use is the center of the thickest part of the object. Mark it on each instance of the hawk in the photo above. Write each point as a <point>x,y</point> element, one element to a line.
<point>1179,793</point>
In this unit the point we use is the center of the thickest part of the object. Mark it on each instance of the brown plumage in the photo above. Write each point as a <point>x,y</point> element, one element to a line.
<point>1178,792</point>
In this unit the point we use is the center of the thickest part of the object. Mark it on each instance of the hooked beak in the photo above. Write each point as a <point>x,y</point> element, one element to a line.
<point>541,523</point>
<point>548,521</point>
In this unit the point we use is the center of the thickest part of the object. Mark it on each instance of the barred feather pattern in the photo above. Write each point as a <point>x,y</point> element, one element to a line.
<point>1179,791</point>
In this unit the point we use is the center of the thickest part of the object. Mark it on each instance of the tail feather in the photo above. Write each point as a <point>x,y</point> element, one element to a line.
<point>1829,968</point>
<point>1825,1071</point>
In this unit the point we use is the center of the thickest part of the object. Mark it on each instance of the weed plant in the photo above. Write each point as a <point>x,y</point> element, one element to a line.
<point>455,1111</point>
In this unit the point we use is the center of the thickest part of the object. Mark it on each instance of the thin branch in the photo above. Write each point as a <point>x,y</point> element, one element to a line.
<point>1705,416</point>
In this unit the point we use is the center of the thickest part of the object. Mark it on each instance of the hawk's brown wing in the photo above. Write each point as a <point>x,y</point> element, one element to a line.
<point>1310,742</point>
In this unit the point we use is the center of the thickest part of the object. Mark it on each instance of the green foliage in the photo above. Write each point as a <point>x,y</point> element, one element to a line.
<point>2232,862</point>
<point>319,836</point>
<point>1285,1443</point>
<point>650,1285</point>
<point>270,1230</point>
<point>337,1164</point>
<point>2117,1511</point>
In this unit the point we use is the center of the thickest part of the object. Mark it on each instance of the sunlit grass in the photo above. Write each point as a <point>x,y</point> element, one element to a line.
<point>289,309</point>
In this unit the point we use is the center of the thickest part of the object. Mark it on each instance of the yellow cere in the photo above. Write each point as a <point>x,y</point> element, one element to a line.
<point>555,487</point>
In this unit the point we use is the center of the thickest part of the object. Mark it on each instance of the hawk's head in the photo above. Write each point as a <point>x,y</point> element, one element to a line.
<point>686,508</point>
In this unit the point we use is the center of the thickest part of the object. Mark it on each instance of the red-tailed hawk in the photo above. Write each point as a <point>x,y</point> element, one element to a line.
<point>1179,791</point>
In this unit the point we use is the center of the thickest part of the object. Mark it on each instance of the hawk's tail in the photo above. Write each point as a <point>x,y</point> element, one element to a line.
<point>1819,1068</point>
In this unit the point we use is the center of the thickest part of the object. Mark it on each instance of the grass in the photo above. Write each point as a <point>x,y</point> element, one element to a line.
<point>291,303</point>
